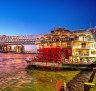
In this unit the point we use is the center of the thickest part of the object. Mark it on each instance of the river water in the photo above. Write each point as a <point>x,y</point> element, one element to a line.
<point>14,76</point>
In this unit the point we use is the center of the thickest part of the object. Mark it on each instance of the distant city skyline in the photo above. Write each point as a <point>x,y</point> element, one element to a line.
<point>21,17</point>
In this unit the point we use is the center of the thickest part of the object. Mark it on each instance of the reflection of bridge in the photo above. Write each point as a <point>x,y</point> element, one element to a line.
<point>19,40</point>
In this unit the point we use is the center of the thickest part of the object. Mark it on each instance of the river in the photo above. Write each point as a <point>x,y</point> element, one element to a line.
<point>15,77</point>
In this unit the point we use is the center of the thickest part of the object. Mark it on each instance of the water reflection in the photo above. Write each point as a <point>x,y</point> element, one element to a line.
<point>13,74</point>
<point>14,77</point>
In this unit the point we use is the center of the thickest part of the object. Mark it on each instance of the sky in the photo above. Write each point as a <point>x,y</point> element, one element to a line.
<point>23,17</point>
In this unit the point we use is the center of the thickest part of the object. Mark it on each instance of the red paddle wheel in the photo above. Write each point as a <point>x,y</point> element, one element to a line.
<point>51,58</point>
<point>54,54</point>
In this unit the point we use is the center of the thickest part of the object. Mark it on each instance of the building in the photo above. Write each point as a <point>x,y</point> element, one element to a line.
<point>78,46</point>
<point>84,47</point>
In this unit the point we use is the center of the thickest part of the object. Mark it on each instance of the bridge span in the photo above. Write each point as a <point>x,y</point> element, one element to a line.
<point>20,40</point>
<point>6,42</point>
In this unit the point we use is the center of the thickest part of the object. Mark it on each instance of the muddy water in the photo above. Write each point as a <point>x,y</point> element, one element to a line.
<point>12,71</point>
<point>14,76</point>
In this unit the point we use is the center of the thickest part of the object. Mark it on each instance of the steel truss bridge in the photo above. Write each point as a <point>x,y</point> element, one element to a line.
<point>19,40</point>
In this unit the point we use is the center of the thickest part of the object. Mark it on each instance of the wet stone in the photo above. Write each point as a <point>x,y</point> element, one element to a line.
<point>77,84</point>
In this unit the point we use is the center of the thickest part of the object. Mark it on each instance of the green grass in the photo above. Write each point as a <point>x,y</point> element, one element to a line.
<point>94,81</point>
<point>45,80</point>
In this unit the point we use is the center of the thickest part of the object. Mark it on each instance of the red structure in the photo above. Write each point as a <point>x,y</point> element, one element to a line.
<point>51,58</point>
<point>56,55</point>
